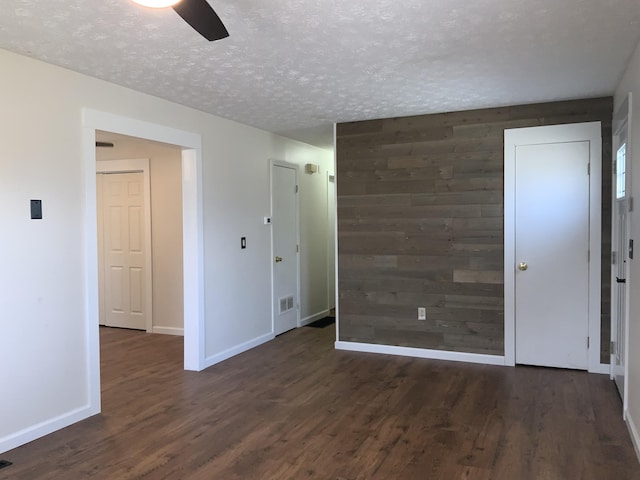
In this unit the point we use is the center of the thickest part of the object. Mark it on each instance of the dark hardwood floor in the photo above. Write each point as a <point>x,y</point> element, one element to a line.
<point>297,409</point>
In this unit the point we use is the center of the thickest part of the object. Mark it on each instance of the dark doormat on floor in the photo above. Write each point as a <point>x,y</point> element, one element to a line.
<point>323,322</point>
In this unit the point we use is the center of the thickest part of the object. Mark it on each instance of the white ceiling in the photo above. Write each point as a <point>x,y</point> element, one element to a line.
<point>296,66</point>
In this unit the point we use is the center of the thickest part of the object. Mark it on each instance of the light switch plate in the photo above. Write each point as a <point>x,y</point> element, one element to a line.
<point>36,209</point>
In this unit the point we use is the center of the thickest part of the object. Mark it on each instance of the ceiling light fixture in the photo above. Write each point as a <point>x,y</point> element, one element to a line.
<point>197,13</point>
<point>156,3</point>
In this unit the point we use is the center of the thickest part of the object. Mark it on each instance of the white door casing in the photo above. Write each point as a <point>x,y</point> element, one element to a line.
<point>331,240</point>
<point>125,269</point>
<point>553,221</point>
<point>100,235</point>
<point>285,241</point>
<point>620,229</point>
<point>192,243</point>
<point>619,294</point>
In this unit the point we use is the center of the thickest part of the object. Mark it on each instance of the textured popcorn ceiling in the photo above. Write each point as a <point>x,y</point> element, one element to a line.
<point>296,66</point>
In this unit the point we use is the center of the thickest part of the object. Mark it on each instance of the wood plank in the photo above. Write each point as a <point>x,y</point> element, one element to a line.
<point>359,128</point>
<point>479,198</point>
<point>431,227</point>
<point>417,212</point>
<point>453,158</point>
<point>429,173</point>
<point>372,138</point>
<point>400,199</point>
<point>434,281</point>
<point>474,276</point>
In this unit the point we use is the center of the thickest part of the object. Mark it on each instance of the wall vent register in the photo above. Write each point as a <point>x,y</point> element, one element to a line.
<point>286,304</point>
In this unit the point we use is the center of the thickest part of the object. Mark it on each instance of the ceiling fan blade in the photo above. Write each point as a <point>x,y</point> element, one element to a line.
<point>200,15</point>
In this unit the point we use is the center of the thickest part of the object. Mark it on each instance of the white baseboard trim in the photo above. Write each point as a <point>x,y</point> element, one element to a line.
<point>603,368</point>
<point>29,434</point>
<point>314,317</point>
<point>231,352</point>
<point>421,353</point>
<point>633,431</point>
<point>169,331</point>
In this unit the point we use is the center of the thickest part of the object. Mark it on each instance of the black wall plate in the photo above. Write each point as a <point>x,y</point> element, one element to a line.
<point>36,209</point>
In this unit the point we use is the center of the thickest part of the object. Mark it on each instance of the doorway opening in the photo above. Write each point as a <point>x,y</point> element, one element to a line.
<point>192,235</point>
<point>139,186</point>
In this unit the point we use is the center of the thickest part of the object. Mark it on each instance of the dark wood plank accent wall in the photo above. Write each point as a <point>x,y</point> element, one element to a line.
<point>420,223</point>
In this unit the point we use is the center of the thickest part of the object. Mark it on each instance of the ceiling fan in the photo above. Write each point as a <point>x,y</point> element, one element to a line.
<point>197,13</point>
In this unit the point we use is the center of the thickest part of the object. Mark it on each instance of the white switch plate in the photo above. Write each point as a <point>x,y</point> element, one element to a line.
<point>422,313</point>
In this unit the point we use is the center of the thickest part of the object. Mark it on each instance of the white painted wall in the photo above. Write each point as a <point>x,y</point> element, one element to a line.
<point>314,229</point>
<point>631,83</point>
<point>43,358</point>
<point>165,172</point>
<point>242,194</point>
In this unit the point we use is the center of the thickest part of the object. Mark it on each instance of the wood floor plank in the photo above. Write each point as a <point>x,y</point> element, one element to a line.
<point>295,408</point>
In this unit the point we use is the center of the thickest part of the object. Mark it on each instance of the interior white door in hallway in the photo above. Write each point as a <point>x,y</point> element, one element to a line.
<point>284,220</point>
<point>551,252</point>
<point>125,289</point>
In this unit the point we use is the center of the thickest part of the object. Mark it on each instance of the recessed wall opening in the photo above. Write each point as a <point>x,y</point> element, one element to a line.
<point>139,199</point>
<point>188,145</point>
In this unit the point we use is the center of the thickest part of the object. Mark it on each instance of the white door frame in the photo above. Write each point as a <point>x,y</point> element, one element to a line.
<point>281,163</point>
<point>192,227</point>
<point>331,233</point>
<point>621,120</point>
<point>590,132</point>
<point>135,165</point>
<point>335,230</point>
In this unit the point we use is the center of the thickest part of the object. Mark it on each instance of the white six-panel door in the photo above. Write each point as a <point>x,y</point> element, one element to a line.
<point>124,243</point>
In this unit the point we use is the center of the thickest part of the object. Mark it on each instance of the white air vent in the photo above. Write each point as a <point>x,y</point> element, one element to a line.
<point>286,304</point>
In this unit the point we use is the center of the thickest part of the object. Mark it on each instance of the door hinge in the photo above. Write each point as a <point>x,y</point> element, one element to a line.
<point>588,255</point>
<point>296,188</point>
<point>613,348</point>
<point>588,342</point>
<point>589,168</point>
<point>631,204</point>
<point>614,258</point>
<point>297,248</point>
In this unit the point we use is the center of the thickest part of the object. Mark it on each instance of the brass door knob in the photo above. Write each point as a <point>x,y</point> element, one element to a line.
<point>522,266</point>
<point>278,259</point>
